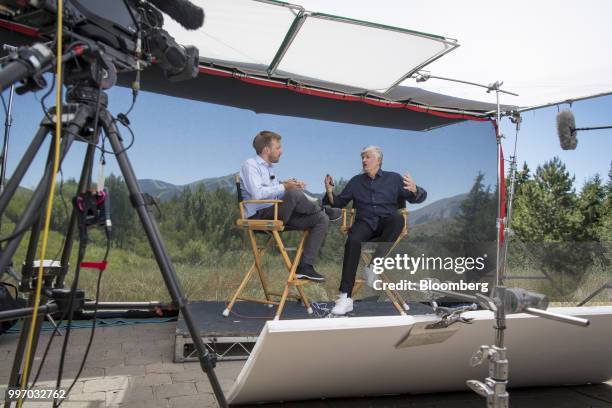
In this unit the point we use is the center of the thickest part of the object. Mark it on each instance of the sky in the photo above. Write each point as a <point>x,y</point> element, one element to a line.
<point>538,141</point>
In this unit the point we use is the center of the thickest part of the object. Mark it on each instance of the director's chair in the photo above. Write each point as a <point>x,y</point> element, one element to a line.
<point>348,218</point>
<point>272,229</point>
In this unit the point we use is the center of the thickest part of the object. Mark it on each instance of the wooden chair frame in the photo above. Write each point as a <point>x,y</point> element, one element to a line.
<point>273,229</point>
<point>348,218</point>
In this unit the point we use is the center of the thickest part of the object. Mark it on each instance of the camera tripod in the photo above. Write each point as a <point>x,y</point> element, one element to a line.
<point>85,110</point>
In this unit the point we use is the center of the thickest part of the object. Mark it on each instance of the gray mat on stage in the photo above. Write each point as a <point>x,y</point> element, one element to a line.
<point>248,318</point>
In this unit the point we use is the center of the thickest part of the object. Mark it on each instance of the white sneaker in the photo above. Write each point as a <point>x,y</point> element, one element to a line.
<point>369,276</point>
<point>344,304</point>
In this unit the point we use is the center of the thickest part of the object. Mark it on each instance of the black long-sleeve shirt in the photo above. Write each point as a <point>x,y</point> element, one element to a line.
<point>376,198</point>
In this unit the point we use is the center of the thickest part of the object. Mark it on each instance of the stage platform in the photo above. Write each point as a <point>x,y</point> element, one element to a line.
<point>233,337</point>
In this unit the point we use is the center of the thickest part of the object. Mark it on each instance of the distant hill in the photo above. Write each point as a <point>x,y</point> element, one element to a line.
<point>165,191</point>
<point>444,209</point>
<point>438,210</point>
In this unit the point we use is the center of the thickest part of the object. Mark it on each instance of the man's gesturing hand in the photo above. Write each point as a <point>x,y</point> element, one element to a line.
<point>409,183</point>
<point>329,184</point>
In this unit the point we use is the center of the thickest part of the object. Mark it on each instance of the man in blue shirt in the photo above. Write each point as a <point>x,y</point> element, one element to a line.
<point>258,182</point>
<point>375,195</point>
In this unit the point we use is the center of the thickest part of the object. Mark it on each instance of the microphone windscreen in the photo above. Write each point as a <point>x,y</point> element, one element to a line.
<point>566,129</point>
<point>183,12</point>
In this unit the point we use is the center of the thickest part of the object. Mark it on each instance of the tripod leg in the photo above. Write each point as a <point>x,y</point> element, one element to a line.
<point>32,211</point>
<point>84,183</point>
<point>160,252</point>
<point>16,373</point>
<point>54,324</point>
<point>19,351</point>
<point>36,202</point>
<point>22,167</point>
<point>28,264</point>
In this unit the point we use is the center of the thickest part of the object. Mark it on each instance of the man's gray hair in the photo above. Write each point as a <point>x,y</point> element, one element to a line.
<point>375,149</point>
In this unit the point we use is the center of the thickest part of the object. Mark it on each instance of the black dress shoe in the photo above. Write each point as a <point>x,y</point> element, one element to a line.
<point>305,271</point>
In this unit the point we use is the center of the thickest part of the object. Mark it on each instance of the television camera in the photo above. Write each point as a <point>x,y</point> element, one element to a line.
<point>128,34</point>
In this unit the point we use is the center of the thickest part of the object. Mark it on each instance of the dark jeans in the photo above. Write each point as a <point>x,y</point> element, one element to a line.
<point>298,212</point>
<point>388,230</point>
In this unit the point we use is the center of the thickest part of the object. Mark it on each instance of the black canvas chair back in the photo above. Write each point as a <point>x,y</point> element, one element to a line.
<point>239,191</point>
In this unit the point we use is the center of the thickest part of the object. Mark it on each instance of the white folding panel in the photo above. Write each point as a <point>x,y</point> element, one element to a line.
<point>358,54</point>
<point>249,34</point>
<point>242,32</point>
<point>368,356</point>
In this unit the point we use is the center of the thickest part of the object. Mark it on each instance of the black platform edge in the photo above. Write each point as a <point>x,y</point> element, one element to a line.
<point>233,337</point>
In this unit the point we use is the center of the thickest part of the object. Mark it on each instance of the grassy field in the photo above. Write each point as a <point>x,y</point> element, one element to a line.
<point>134,276</point>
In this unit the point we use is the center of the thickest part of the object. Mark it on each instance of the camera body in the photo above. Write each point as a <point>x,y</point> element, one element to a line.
<point>129,31</point>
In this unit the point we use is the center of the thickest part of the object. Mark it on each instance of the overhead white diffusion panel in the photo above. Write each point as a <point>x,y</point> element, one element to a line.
<point>369,356</point>
<point>358,54</point>
<point>243,32</point>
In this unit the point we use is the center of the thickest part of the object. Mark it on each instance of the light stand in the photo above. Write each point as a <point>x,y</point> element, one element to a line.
<point>505,301</point>
<point>423,76</point>
<point>516,119</point>
<point>494,386</point>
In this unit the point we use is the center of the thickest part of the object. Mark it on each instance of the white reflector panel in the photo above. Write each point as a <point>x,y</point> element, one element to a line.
<point>368,356</point>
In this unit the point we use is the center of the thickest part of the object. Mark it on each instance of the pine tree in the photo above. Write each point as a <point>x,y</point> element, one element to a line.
<point>522,177</point>
<point>545,208</point>
<point>550,217</point>
<point>604,230</point>
<point>591,206</point>
<point>123,215</point>
<point>476,219</point>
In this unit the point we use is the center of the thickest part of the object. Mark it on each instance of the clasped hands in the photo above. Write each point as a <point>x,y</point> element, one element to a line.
<point>293,183</point>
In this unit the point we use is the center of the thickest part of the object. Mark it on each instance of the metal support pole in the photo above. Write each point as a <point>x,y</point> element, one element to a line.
<point>508,219</point>
<point>500,226</point>
<point>8,122</point>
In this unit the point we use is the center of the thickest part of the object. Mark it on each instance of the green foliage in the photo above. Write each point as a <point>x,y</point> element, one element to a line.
<point>545,207</point>
<point>561,228</point>
<point>604,230</point>
<point>591,206</point>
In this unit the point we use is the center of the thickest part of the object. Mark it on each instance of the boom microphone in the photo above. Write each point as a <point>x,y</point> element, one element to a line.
<point>566,129</point>
<point>183,12</point>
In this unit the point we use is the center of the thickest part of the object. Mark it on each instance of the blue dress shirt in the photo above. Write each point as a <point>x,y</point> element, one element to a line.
<point>376,198</point>
<point>258,182</point>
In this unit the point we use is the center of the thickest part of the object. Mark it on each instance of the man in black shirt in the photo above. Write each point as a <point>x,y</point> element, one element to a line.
<point>375,195</point>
